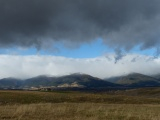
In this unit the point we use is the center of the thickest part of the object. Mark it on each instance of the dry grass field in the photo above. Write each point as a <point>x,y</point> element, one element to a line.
<point>79,111</point>
<point>137,104</point>
<point>117,97</point>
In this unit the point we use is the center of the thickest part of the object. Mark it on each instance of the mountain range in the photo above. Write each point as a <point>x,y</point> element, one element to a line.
<point>67,81</point>
<point>81,81</point>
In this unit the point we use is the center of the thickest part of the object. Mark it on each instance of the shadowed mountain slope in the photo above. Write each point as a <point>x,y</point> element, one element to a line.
<point>10,83</point>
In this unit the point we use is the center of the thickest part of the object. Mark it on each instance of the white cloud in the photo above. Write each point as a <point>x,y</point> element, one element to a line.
<point>104,66</point>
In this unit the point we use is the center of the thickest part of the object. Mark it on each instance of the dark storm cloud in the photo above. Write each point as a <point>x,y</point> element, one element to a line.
<point>122,24</point>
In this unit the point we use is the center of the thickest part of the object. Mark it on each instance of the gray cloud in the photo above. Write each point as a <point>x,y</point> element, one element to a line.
<point>122,24</point>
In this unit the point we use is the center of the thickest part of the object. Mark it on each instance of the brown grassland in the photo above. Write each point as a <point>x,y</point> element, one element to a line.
<point>137,104</point>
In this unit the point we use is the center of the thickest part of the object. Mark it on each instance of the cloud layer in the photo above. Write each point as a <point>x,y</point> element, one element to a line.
<point>122,24</point>
<point>104,66</point>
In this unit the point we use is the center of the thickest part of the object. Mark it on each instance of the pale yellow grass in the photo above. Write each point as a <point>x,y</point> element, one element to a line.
<point>79,111</point>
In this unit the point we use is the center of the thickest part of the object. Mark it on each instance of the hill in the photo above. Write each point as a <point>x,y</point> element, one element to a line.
<point>85,80</point>
<point>135,80</point>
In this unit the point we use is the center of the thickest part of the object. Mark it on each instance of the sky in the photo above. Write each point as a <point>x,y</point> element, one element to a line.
<point>103,38</point>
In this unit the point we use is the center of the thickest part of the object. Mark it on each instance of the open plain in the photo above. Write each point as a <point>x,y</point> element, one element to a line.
<point>134,104</point>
